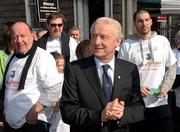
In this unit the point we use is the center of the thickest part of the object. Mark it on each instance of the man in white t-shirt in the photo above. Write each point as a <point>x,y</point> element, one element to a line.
<point>31,83</point>
<point>157,67</point>
<point>56,39</point>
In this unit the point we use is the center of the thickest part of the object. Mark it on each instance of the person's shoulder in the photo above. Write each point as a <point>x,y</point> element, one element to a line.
<point>3,54</point>
<point>41,42</point>
<point>130,40</point>
<point>43,53</point>
<point>43,57</point>
<point>84,62</point>
<point>125,63</point>
<point>159,37</point>
<point>162,41</point>
<point>43,37</point>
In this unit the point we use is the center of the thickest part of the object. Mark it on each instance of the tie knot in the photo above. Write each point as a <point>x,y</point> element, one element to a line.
<point>105,67</point>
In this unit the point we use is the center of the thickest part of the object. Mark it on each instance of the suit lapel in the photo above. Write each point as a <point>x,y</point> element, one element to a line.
<point>117,89</point>
<point>93,78</point>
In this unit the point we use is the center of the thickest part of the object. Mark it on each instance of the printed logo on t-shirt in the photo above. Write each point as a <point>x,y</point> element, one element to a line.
<point>148,56</point>
<point>12,74</point>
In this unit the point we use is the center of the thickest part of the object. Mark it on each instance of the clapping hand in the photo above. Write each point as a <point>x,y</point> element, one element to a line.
<point>113,111</point>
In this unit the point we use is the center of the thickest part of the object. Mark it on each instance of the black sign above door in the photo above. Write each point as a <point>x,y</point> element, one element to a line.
<point>45,7</point>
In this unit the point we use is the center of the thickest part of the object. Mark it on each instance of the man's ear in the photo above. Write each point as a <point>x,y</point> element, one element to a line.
<point>119,41</point>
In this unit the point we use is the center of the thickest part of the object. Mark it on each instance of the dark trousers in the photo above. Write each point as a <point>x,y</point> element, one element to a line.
<point>158,119</point>
<point>40,126</point>
<point>172,105</point>
<point>177,119</point>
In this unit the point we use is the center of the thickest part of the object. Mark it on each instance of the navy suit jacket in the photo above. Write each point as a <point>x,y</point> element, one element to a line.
<point>83,100</point>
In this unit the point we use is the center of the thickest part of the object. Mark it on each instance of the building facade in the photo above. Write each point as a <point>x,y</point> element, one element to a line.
<point>82,13</point>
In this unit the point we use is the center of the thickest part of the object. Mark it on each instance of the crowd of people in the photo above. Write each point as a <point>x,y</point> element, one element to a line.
<point>55,82</point>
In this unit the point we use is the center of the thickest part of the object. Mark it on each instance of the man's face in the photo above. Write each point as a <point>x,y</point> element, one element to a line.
<point>143,23</point>
<point>55,27</point>
<point>75,34</point>
<point>104,41</point>
<point>22,37</point>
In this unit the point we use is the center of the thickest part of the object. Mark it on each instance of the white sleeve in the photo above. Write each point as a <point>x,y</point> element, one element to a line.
<point>123,54</point>
<point>72,46</point>
<point>50,81</point>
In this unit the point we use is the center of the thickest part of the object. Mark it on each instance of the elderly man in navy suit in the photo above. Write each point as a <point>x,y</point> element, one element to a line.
<point>102,93</point>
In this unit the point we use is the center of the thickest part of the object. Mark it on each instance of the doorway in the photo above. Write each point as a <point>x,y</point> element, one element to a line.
<point>96,10</point>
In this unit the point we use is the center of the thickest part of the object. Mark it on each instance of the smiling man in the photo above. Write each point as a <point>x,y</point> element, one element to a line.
<point>102,93</point>
<point>31,83</point>
<point>56,40</point>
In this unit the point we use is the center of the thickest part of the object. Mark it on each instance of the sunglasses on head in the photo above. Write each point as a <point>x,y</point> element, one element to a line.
<point>54,24</point>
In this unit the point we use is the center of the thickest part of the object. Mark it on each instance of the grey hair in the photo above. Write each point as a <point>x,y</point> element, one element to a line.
<point>177,38</point>
<point>74,28</point>
<point>107,20</point>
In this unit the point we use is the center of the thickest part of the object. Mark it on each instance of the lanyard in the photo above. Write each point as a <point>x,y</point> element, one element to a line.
<point>142,51</point>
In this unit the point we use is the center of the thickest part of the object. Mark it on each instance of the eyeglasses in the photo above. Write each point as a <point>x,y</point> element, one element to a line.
<point>54,24</point>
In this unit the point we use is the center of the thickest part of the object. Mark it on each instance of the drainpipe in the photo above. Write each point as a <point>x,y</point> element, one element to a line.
<point>128,8</point>
<point>27,10</point>
<point>129,11</point>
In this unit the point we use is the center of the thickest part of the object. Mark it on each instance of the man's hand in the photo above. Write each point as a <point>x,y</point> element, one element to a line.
<point>113,111</point>
<point>145,91</point>
<point>32,115</point>
<point>163,92</point>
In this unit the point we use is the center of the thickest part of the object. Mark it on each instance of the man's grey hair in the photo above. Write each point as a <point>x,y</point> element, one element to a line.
<point>107,20</point>
<point>74,28</point>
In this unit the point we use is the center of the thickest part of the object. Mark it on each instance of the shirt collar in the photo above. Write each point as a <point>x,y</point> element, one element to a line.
<point>99,64</point>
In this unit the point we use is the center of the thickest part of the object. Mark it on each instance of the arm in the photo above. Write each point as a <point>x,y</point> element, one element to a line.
<point>50,96</point>
<point>44,101</point>
<point>168,80</point>
<point>49,81</point>
<point>170,71</point>
<point>169,77</point>
<point>3,62</point>
<point>49,88</point>
<point>32,115</point>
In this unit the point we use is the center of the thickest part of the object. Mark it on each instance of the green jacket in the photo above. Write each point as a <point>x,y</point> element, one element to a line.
<point>3,62</point>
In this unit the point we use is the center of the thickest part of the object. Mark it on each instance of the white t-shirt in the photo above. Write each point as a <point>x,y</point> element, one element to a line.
<point>55,45</point>
<point>42,75</point>
<point>151,57</point>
